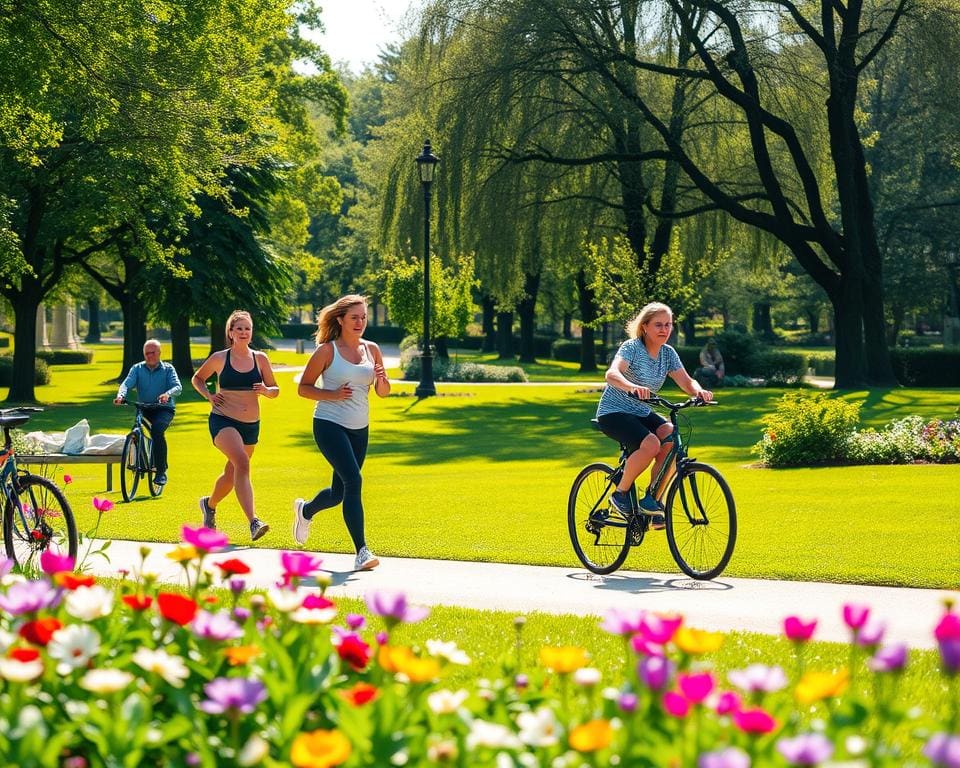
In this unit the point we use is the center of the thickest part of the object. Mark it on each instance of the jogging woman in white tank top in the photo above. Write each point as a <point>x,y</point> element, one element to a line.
<point>349,367</point>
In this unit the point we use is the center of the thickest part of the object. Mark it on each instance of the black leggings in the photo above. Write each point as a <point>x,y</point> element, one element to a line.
<point>345,449</point>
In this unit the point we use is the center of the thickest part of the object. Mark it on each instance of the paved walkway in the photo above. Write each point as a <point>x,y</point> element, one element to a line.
<point>753,605</point>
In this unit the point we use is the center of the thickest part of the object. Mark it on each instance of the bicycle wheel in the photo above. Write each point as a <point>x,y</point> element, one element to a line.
<point>147,459</point>
<point>701,521</point>
<point>598,531</point>
<point>40,518</point>
<point>130,467</point>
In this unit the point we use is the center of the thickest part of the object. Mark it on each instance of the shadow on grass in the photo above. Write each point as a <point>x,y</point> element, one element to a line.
<point>621,582</point>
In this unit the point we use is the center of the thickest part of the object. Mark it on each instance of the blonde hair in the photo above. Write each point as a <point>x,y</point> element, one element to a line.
<point>328,328</point>
<point>634,327</point>
<point>237,314</point>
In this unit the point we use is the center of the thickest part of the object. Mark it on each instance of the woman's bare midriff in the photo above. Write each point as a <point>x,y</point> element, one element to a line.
<point>239,405</point>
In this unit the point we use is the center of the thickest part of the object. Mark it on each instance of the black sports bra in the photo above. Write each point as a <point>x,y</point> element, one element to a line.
<point>230,378</point>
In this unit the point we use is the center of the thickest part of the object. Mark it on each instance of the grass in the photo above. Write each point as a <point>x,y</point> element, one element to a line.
<point>483,473</point>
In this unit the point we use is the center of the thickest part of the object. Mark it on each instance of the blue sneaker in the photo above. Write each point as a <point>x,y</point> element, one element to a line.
<point>650,504</point>
<point>621,500</point>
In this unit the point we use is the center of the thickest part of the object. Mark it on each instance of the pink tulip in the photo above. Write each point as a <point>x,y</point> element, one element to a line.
<point>797,629</point>
<point>204,539</point>
<point>754,721</point>
<point>676,705</point>
<point>298,565</point>
<point>728,702</point>
<point>623,623</point>
<point>102,505</point>
<point>890,658</point>
<point>644,647</point>
<point>54,562</point>
<point>855,616</point>
<point>696,687</point>
<point>660,629</point>
<point>871,634</point>
<point>948,628</point>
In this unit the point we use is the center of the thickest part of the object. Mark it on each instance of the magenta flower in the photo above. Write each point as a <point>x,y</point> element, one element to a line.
<point>948,628</point>
<point>676,705</point>
<point>855,616</point>
<point>298,565</point>
<point>29,597</point>
<point>871,633</point>
<point>67,479</point>
<point>627,702</point>
<point>731,757</point>
<point>660,629</point>
<point>655,672</point>
<point>806,749</point>
<point>241,614</point>
<point>54,562</point>
<point>758,678</point>
<point>204,539</point>
<point>623,623</point>
<point>355,620</point>
<point>644,647</point>
<point>102,505</point>
<point>232,695</point>
<point>890,658</point>
<point>943,750</point>
<point>947,634</point>
<point>754,721</point>
<point>696,687</point>
<point>392,607</point>
<point>797,629</point>
<point>215,626</point>
<point>728,702</point>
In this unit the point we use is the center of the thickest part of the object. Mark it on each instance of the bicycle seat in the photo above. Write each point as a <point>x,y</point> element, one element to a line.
<point>8,420</point>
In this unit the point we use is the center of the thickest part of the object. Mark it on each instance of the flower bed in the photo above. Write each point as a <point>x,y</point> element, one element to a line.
<point>138,675</point>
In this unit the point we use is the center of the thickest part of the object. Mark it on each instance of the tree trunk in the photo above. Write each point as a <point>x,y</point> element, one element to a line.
<point>567,322</point>
<point>588,314</point>
<point>218,334</point>
<point>762,324</point>
<point>689,324</point>
<point>527,311</point>
<point>505,335</point>
<point>489,308</point>
<point>93,324</point>
<point>442,350</point>
<point>851,361</point>
<point>25,306</point>
<point>180,355</point>
<point>813,320</point>
<point>134,332</point>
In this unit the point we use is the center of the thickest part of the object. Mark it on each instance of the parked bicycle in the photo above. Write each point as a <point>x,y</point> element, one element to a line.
<point>36,514</point>
<point>137,457</point>
<point>698,506</point>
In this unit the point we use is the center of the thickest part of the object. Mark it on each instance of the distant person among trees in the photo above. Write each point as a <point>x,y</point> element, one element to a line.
<point>349,366</point>
<point>639,368</point>
<point>243,375</point>
<point>711,361</point>
<point>156,382</point>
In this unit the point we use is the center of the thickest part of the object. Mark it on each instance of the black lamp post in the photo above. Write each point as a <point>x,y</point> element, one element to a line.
<point>426,162</point>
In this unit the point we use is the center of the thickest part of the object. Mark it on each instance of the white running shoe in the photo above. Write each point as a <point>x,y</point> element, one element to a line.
<point>365,560</point>
<point>301,526</point>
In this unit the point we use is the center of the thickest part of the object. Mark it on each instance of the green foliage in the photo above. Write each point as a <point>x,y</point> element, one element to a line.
<point>807,429</point>
<point>41,371</point>
<point>569,350</point>
<point>453,370</point>
<point>451,302</point>
<point>926,367</point>
<point>66,356</point>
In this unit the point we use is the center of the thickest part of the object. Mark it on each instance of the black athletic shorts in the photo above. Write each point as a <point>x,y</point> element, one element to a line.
<point>249,430</point>
<point>629,429</point>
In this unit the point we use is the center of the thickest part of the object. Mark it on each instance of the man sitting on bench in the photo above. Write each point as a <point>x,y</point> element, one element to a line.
<point>155,382</point>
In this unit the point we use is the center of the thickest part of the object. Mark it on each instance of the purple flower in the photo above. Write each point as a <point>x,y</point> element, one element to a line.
<point>204,539</point>
<point>943,750</point>
<point>655,672</point>
<point>871,633</point>
<point>29,597</point>
<point>241,614</point>
<point>806,749</point>
<point>950,654</point>
<point>731,757</point>
<point>6,565</point>
<point>237,586</point>
<point>890,658</point>
<point>215,626</point>
<point>355,620</point>
<point>393,608</point>
<point>627,702</point>
<point>758,678</point>
<point>237,694</point>
<point>619,622</point>
<point>521,681</point>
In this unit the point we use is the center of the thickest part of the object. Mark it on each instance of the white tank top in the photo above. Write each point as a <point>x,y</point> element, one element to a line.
<point>353,413</point>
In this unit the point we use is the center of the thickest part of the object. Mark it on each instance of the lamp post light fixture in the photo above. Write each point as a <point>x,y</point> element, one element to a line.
<point>426,162</point>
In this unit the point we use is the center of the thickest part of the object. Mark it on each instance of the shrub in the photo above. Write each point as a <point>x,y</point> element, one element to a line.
<point>778,367</point>
<point>807,429</point>
<point>907,440</point>
<point>738,350</point>
<point>41,371</point>
<point>926,367</point>
<point>452,370</point>
<point>66,356</point>
<point>410,342</point>
<point>822,363</point>
<point>568,350</point>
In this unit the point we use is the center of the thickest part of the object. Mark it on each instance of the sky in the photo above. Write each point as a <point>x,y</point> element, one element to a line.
<point>357,29</point>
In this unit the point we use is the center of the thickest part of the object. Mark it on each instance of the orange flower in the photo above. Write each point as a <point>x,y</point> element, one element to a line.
<point>319,749</point>
<point>814,686</point>
<point>696,641</point>
<point>241,654</point>
<point>360,694</point>
<point>72,581</point>
<point>592,736</point>
<point>391,657</point>
<point>564,659</point>
<point>400,660</point>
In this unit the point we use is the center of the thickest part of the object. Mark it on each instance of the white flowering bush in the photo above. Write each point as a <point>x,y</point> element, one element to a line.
<point>907,440</point>
<point>139,675</point>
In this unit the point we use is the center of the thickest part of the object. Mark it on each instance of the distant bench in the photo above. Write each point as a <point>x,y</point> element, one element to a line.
<point>70,458</point>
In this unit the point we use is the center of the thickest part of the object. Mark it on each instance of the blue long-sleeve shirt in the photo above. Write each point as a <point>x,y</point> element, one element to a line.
<point>150,384</point>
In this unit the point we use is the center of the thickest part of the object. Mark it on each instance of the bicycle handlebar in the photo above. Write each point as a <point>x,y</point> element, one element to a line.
<point>138,404</point>
<point>693,402</point>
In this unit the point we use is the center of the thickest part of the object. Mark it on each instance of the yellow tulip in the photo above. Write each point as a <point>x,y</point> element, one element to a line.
<point>183,553</point>
<point>592,736</point>
<point>391,657</point>
<point>696,641</point>
<point>563,660</point>
<point>814,686</point>
<point>319,749</point>
<point>419,670</point>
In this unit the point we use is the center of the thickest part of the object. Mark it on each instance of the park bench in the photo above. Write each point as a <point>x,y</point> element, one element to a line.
<point>69,458</point>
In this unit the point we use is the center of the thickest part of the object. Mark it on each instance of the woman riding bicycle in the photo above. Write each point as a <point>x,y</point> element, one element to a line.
<point>639,368</point>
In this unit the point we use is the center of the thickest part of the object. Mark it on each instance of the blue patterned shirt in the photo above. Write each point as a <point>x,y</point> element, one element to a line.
<point>642,370</point>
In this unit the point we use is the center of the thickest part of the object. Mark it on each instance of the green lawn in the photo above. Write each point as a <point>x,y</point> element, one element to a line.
<point>483,472</point>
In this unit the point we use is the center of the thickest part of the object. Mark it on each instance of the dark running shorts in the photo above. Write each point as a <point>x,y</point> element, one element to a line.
<point>249,430</point>
<point>629,429</point>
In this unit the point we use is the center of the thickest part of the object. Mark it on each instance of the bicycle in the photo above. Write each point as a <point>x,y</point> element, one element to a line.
<point>137,457</point>
<point>36,514</point>
<point>701,517</point>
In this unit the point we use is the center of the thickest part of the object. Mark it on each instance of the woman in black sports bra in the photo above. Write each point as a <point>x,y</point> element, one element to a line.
<point>243,375</point>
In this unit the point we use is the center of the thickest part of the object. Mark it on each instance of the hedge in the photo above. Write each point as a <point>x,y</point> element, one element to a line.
<point>65,356</point>
<point>41,371</point>
<point>926,367</point>
<point>381,334</point>
<point>568,350</point>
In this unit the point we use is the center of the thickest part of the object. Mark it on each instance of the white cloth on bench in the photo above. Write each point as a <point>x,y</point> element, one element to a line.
<point>78,441</point>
